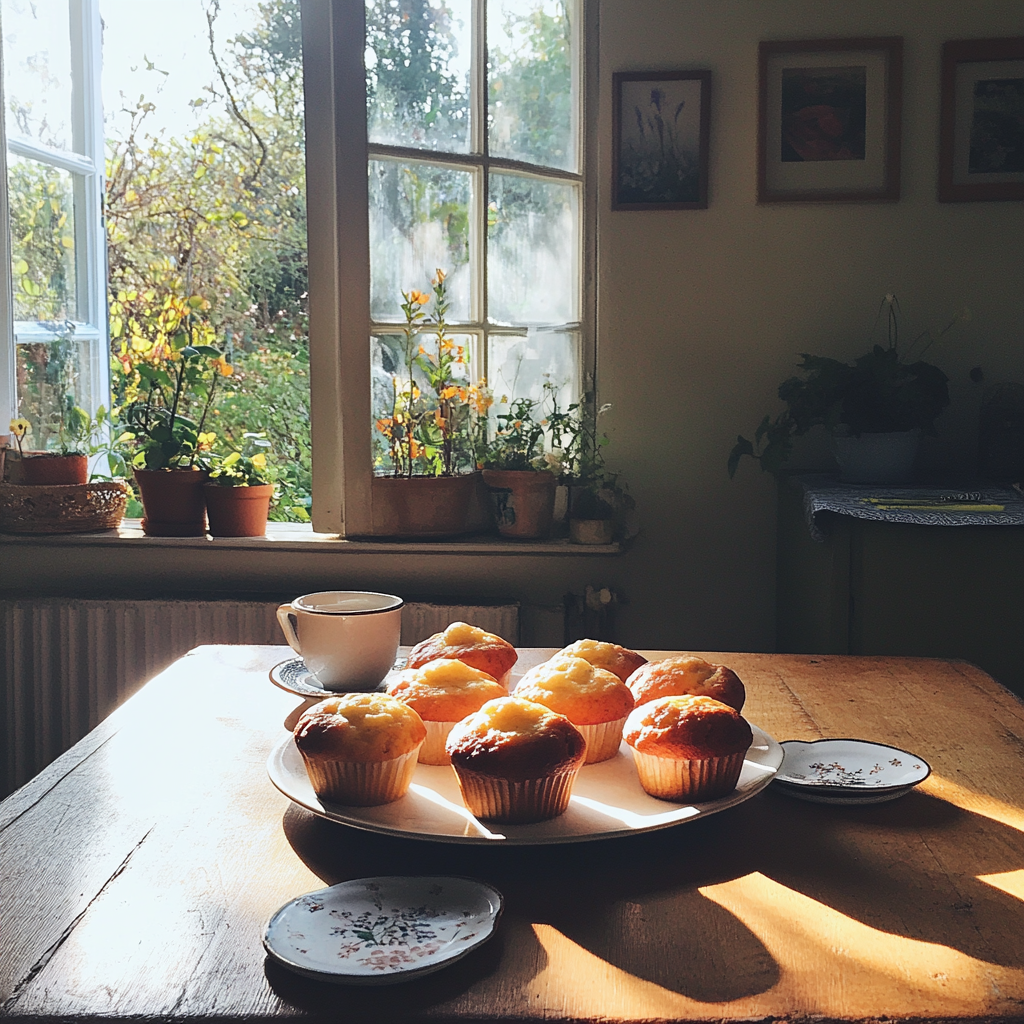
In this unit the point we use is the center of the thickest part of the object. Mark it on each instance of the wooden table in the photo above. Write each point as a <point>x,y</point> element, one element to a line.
<point>139,869</point>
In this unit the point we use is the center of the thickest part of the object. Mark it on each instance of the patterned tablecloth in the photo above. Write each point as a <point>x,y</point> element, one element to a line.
<point>981,505</point>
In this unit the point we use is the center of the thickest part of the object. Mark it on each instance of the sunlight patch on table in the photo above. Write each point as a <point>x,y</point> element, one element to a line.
<point>977,803</point>
<point>802,933</point>
<point>1010,882</point>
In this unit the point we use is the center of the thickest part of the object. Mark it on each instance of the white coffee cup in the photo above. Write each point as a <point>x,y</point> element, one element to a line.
<point>347,638</point>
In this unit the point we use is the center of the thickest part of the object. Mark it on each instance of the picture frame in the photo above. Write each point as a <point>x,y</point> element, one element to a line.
<point>981,134</point>
<point>830,120</point>
<point>661,128</point>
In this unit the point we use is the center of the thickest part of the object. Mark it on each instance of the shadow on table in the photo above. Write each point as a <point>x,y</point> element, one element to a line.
<point>635,901</point>
<point>587,891</point>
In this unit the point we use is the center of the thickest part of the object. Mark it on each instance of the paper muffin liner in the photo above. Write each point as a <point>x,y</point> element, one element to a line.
<point>670,778</point>
<point>516,803</point>
<point>432,751</point>
<point>602,739</point>
<point>362,783</point>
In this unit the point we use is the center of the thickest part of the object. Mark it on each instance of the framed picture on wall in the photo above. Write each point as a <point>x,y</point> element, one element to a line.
<point>981,140</point>
<point>660,131</point>
<point>829,120</point>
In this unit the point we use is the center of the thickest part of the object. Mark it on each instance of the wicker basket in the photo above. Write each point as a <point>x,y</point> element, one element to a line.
<point>62,508</point>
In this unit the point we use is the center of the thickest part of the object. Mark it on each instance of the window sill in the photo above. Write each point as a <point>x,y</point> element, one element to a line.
<point>300,537</point>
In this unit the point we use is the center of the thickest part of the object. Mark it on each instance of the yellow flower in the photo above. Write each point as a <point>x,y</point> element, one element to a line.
<point>259,460</point>
<point>418,298</point>
<point>20,427</point>
<point>206,440</point>
<point>448,392</point>
<point>441,275</point>
<point>223,367</point>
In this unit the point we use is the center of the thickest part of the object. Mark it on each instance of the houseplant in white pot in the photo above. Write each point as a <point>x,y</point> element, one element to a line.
<point>875,409</point>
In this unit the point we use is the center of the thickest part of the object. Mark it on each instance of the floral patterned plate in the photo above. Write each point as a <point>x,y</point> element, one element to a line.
<point>850,768</point>
<point>381,931</point>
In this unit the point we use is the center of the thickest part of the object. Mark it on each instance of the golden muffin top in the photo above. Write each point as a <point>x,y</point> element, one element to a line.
<point>570,686</point>
<point>445,690</point>
<point>515,739</point>
<point>470,644</point>
<point>359,727</point>
<point>687,727</point>
<point>620,660</point>
<point>687,674</point>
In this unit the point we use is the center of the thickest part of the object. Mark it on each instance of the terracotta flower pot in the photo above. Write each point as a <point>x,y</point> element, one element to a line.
<point>523,501</point>
<point>422,506</point>
<point>173,501</point>
<point>38,468</point>
<point>238,511</point>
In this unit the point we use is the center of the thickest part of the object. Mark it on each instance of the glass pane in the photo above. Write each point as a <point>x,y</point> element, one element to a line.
<point>42,240</point>
<point>392,361</point>
<point>418,73</point>
<point>532,251</point>
<point>419,221</point>
<point>51,375</point>
<point>520,365</point>
<point>37,70</point>
<point>530,103</point>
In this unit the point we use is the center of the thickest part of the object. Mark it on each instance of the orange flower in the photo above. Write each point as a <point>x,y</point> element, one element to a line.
<point>447,344</point>
<point>418,298</point>
<point>448,392</point>
<point>223,367</point>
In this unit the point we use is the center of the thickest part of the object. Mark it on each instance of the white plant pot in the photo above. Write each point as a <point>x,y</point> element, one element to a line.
<point>877,458</point>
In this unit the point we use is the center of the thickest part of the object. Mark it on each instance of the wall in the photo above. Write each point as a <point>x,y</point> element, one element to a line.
<point>701,314</point>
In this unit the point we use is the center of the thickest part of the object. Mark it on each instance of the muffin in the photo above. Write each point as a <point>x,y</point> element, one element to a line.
<point>688,747</point>
<point>442,693</point>
<point>516,761</point>
<point>611,657</point>
<point>469,644</point>
<point>360,748</point>
<point>594,700</point>
<point>686,674</point>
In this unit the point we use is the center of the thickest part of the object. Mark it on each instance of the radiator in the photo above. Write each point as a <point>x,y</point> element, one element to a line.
<point>67,664</point>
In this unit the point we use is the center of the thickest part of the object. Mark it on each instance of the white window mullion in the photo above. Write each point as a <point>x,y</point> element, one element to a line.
<point>90,229</point>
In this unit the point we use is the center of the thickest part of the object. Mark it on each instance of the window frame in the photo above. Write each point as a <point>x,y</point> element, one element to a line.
<point>86,164</point>
<point>340,325</point>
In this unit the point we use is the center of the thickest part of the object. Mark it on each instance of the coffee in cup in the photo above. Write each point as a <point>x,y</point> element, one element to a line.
<point>347,638</point>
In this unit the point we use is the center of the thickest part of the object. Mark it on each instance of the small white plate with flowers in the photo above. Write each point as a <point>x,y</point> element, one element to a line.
<point>850,768</point>
<point>385,930</point>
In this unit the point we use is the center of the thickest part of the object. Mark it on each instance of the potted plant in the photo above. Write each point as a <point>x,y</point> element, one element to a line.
<point>170,468</point>
<point>875,408</point>
<point>517,473</point>
<point>599,507</point>
<point>68,463</point>
<point>428,431</point>
<point>239,491</point>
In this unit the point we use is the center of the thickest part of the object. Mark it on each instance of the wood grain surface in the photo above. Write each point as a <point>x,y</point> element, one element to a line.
<point>139,869</point>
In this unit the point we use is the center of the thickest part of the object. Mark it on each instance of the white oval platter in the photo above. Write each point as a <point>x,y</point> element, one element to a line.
<point>853,768</point>
<point>381,931</point>
<point>607,801</point>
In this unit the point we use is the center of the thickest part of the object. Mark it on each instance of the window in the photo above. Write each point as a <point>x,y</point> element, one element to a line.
<point>463,150</point>
<point>438,133</point>
<point>55,324</point>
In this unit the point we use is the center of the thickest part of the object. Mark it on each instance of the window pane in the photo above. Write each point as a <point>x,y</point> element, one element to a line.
<point>418,73</point>
<point>419,221</point>
<point>389,376</point>
<point>532,250</point>
<point>42,240</point>
<point>49,375</point>
<point>531,89</point>
<point>37,70</point>
<point>520,365</point>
